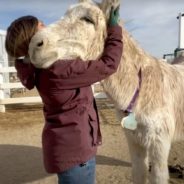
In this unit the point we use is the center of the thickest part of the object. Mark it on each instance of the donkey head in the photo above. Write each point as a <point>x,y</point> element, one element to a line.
<point>80,33</point>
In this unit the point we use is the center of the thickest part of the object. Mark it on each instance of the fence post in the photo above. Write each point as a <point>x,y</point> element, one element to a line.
<point>2,107</point>
<point>93,88</point>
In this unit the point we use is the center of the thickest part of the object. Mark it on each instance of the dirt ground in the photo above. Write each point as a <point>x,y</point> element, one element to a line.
<point>21,155</point>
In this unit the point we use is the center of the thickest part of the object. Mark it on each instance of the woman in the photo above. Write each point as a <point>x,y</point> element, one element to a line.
<point>71,132</point>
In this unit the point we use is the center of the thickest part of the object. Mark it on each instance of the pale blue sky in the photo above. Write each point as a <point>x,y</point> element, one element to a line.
<point>152,23</point>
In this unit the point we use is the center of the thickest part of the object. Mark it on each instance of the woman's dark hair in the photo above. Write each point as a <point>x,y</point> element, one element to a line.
<point>19,34</point>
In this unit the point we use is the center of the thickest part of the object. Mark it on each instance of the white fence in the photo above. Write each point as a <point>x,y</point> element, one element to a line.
<point>3,63</point>
<point>7,99</point>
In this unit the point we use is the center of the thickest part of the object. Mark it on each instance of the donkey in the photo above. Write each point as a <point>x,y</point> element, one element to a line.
<point>147,87</point>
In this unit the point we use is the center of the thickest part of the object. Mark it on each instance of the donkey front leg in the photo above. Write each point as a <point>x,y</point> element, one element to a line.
<point>159,160</point>
<point>139,157</point>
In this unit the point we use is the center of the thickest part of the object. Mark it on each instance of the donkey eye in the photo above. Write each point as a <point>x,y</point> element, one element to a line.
<point>88,20</point>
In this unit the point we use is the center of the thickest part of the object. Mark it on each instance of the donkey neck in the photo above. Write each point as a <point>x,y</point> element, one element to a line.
<point>122,85</point>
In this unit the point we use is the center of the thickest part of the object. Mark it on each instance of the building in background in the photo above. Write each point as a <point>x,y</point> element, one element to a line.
<point>3,55</point>
<point>178,55</point>
<point>4,77</point>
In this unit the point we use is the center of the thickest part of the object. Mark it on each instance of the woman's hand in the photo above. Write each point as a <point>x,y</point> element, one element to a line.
<point>114,16</point>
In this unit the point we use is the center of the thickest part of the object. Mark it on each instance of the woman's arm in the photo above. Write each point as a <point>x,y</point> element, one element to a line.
<point>26,73</point>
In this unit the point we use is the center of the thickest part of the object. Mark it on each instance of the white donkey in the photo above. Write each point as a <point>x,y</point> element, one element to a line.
<point>151,89</point>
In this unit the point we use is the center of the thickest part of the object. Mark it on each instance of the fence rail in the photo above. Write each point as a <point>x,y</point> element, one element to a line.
<point>20,100</point>
<point>10,69</point>
<point>11,85</point>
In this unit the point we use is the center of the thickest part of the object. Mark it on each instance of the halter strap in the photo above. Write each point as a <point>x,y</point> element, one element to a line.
<point>132,102</point>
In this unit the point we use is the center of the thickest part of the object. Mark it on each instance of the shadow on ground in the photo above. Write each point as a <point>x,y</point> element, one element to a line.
<point>103,160</point>
<point>20,164</point>
<point>23,164</point>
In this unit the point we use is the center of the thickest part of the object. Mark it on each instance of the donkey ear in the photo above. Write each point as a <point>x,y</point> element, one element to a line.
<point>106,6</point>
<point>83,1</point>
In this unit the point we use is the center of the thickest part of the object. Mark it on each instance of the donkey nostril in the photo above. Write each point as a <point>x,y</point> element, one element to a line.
<point>40,44</point>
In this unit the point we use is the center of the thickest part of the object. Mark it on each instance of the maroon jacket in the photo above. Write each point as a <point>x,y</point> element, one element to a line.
<point>71,133</point>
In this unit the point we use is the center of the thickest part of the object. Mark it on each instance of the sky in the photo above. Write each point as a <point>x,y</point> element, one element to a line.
<point>152,23</point>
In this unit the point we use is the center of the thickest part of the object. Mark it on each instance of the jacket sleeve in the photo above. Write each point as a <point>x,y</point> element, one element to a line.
<point>78,73</point>
<point>26,73</point>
